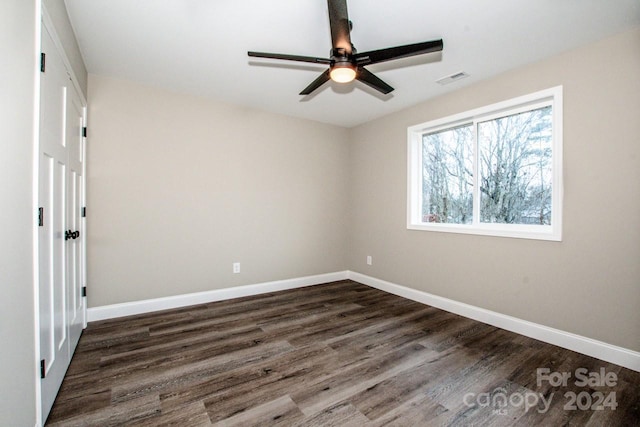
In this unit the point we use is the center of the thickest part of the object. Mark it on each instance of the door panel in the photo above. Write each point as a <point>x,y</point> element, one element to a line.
<point>46,261</point>
<point>59,256</point>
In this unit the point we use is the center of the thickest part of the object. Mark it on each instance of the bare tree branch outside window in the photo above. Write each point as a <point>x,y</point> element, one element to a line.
<point>448,176</point>
<point>514,158</point>
<point>515,168</point>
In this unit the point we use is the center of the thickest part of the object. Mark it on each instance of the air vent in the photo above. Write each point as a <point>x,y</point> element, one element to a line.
<point>452,78</point>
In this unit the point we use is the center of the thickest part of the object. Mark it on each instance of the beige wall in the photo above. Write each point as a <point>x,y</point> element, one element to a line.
<point>179,188</point>
<point>58,13</point>
<point>589,283</point>
<point>17,327</point>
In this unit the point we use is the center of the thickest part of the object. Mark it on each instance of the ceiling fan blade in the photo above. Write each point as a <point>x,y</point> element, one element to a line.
<point>340,26</point>
<point>324,77</point>
<point>368,78</point>
<point>290,57</point>
<point>388,54</point>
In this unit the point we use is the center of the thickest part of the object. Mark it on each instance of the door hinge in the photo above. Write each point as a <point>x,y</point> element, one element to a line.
<point>40,217</point>
<point>84,131</point>
<point>42,369</point>
<point>84,212</point>
<point>43,57</point>
<point>84,291</point>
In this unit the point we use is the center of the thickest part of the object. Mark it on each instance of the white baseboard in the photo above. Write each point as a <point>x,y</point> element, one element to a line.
<point>598,349</point>
<point>177,301</point>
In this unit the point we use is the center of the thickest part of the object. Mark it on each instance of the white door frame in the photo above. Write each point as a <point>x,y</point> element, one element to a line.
<point>45,21</point>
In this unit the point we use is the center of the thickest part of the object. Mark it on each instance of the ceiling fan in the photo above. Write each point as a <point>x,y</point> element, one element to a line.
<point>345,63</point>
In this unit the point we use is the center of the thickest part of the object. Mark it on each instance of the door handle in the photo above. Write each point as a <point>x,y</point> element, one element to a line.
<point>71,234</point>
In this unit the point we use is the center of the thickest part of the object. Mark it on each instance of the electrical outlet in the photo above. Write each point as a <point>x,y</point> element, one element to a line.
<point>369,260</point>
<point>236,267</point>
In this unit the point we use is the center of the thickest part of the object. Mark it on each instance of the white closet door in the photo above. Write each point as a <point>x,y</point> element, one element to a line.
<point>61,186</point>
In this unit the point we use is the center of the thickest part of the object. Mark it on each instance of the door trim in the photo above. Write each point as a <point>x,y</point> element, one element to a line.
<point>38,24</point>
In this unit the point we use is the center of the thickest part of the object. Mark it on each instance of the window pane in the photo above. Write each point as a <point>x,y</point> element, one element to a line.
<point>515,168</point>
<point>447,176</point>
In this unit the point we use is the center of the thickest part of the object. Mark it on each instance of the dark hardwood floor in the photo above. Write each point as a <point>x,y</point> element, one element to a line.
<point>339,354</point>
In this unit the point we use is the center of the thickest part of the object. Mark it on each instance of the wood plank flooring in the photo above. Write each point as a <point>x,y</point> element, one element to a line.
<point>339,354</point>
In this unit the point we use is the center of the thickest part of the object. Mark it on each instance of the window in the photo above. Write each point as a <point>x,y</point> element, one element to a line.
<point>494,171</point>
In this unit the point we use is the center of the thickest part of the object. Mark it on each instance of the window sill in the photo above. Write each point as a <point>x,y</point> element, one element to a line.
<point>495,230</point>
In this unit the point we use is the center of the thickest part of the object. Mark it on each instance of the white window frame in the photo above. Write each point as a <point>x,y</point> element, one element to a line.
<point>553,97</point>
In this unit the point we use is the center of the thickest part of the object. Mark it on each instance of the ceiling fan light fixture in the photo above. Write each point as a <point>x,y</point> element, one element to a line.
<point>343,73</point>
<point>345,63</point>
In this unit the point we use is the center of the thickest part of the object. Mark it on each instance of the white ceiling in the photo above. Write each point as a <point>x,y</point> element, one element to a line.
<point>200,46</point>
